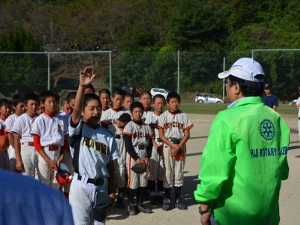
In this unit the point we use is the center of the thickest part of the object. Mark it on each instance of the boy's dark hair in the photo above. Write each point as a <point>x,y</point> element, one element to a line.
<point>89,97</point>
<point>104,91</point>
<point>31,96</point>
<point>90,86</point>
<point>16,99</point>
<point>136,105</point>
<point>71,96</point>
<point>173,94</point>
<point>248,88</point>
<point>146,93</point>
<point>129,95</point>
<point>46,94</point>
<point>125,118</point>
<point>118,91</point>
<point>63,101</point>
<point>158,96</point>
<point>5,102</point>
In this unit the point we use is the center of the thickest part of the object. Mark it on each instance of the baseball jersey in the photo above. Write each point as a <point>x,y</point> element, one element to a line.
<point>243,163</point>
<point>152,120</point>
<point>9,122</point>
<point>50,130</point>
<point>146,112</point>
<point>110,116</point>
<point>93,149</point>
<point>22,126</point>
<point>118,134</point>
<point>174,124</point>
<point>140,135</point>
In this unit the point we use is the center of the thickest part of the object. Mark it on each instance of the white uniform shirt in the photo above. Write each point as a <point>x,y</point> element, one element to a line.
<point>146,112</point>
<point>298,102</point>
<point>111,115</point>
<point>50,130</point>
<point>22,126</point>
<point>174,124</point>
<point>118,134</point>
<point>93,150</point>
<point>9,122</point>
<point>140,134</point>
<point>152,120</point>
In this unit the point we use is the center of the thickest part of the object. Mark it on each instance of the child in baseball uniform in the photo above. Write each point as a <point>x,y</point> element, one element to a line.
<point>174,131</point>
<point>120,163</point>
<point>146,100</point>
<point>128,100</point>
<point>19,109</point>
<point>48,138</point>
<point>111,115</point>
<point>138,142</point>
<point>94,151</point>
<point>104,96</point>
<point>26,154</point>
<point>5,109</point>
<point>156,161</point>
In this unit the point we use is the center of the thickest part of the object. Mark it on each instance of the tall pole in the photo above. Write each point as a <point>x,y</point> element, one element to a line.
<point>178,75</point>
<point>110,73</point>
<point>48,86</point>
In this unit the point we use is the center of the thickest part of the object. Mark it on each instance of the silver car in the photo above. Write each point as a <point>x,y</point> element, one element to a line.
<point>207,98</point>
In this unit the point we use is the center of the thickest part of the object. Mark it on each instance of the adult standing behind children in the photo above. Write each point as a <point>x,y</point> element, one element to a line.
<point>174,131</point>
<point>94,151</point>
<point>26,154</point>
<point>245,158</point>
<point>270,99</point>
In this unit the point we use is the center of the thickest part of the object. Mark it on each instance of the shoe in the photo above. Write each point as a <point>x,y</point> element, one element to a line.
<point>297,156</point>
<point>166,204</point>
<point>120,203</point>
<point>180,205</point>
<point>143,208</point>
<point>131,210</point>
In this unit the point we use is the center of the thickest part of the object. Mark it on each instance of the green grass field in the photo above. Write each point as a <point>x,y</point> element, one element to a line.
<point>198,108</point>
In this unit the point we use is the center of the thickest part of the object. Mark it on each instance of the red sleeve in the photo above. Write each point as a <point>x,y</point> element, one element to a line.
<point>37,142</point>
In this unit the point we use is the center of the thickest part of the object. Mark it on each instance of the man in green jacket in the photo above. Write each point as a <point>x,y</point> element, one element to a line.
<point>245,157</point>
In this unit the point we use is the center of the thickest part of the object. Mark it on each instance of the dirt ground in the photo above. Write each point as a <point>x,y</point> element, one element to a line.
<point>289,195</point>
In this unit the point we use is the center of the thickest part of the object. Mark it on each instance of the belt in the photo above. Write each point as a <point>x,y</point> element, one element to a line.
<point>95,181</point>
<point>28,143</point>
<point>175,140</point>
<point>52,147</point>
<point>118,136</point>
<point>158,139</point>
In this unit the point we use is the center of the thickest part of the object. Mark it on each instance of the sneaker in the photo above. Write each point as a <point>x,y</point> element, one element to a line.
<point>180,205</point>
<point>131,210</point>
<point>166,204</point>
<point>120,203</point>
<point>143,208</point>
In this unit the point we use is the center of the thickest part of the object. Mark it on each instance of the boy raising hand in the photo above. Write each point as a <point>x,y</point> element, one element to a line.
<point>94,151</point>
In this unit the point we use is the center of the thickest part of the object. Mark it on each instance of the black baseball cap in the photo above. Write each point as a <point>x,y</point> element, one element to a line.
<point>125,118</point>
<point>267,86</point>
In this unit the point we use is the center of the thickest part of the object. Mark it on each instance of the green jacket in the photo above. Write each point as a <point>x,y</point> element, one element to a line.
<point>243,164</point>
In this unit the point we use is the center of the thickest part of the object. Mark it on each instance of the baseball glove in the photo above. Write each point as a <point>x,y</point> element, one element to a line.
<point>139,168</point>
<point>103,205</point>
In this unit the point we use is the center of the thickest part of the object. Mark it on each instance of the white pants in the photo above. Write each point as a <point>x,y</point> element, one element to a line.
<point>299,128</point>
<point>30,160</point>
<point>46,174</point>
<point>156,165</point>
<point>173,168</point>
<point>11,159</point>
<point>82,199</point>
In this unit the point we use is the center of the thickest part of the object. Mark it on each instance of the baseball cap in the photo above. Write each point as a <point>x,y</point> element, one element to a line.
<point>268,86</point>
<point>125,117</point>
<point>246,69</point>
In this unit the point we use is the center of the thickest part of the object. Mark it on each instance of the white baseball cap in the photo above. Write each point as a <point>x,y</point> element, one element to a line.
<point>246,69</point>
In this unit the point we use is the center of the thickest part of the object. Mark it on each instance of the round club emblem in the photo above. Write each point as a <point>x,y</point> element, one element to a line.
<point>267,130</point>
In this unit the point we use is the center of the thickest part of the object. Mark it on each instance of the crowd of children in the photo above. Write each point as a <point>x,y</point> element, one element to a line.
<point>99,138</point>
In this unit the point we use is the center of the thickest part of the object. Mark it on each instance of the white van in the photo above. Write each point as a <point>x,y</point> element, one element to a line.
<point>156,91</point>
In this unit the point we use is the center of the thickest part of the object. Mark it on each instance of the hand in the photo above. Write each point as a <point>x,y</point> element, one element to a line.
<point>19,165</point>
<point>205,218</point>
<point>175,151</point>
<point>52,164</point>
<point>85,76</point>
<point>113,196</point>
<point>59,160</point>
<point>146,161</point>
